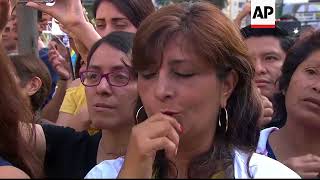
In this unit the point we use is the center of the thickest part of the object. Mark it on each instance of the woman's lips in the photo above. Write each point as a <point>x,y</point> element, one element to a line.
<point>169,113</point>
<point>103,107</point>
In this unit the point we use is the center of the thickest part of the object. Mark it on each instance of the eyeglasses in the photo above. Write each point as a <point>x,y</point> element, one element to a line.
<point>115,78</point>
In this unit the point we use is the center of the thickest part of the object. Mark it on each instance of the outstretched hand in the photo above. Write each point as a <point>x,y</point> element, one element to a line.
<point>67,12</point>
<point>59,63</point>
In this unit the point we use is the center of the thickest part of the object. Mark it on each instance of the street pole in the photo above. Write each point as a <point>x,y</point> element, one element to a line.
<point>27,30</point>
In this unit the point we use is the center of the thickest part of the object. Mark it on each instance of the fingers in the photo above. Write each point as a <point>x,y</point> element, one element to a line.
<point>310,175</point>
<point>156,133</point>
<point>267,107</point>
<point>268,112</point>
<point>161,125</point>
<point>311,167</point>
<point>259,91</point>
<point>171,120</point>
<point>40,7</point>
<point>165,129</point>
<point>266,102</point>
<point>166,144</point>
<point>307,166</point>
<point>310,158</point>
<point>264,121</point>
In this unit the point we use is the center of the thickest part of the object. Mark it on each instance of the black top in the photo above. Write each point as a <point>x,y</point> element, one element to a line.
<point>3,162</point>
<point>69,154</point>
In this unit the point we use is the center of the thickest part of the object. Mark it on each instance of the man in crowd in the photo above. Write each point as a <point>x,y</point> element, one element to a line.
<point>267,48</point>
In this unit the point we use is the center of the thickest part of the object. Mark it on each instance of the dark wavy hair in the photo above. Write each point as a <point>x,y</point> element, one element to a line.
<point>135,10</point>
<point>297,55</point>
<point>15,114</point>
<point>215,38</point>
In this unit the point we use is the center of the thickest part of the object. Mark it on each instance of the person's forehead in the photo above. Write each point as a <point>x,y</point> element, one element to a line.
<point>313,59</point>
<point>108,10</point>
<point>264,44</point>
<point>106,56</point>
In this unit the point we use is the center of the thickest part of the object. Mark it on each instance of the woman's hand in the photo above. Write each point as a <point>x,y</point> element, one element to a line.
<point>159,132</point>
<point>246,10</point>
<point>59,63</point>
<point>307,166</point>
<point>267,112</point>
<point>67,12</point>
<point>80,47</point>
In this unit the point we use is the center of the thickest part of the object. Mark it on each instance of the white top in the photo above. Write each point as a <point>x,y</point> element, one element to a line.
<point>260,166</point>
<point>263,139</point>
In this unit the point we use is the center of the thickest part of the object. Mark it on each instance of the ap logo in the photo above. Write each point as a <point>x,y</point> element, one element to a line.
<point>263,14</point>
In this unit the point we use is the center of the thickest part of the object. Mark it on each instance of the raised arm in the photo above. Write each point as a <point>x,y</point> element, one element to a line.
<point>70,14</point>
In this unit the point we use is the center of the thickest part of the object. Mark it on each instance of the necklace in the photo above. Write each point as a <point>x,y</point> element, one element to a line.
<point>104,155</point>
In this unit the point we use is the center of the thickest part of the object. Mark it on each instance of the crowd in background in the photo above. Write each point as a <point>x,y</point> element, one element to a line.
<point>180,91</point>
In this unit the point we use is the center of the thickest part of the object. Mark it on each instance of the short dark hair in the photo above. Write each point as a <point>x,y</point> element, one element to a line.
<point>120,40</point>
<point>286,41</point>
<point>135,10</point>
<point>297,55</point>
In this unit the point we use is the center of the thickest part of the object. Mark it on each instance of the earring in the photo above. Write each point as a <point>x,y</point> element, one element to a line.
<point>137,114</point>
<point>227,119</point>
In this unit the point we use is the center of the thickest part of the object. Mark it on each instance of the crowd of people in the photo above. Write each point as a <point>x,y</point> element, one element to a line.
<point>180,91</point>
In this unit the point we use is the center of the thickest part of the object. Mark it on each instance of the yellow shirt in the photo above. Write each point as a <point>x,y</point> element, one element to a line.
<point>73,101</point>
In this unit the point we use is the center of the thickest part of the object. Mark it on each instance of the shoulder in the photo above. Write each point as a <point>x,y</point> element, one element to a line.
<point>69,153</point>
<point>60,138</point>
<point>108,169</point>
<point>10,172</point>
<point>260,167</point>
<point>58,132</point>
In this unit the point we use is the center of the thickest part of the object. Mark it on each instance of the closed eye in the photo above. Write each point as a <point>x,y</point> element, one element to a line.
<point>271,58</point>
<point>148,75</point>
<point>184,75</point>
<point>311,71</point>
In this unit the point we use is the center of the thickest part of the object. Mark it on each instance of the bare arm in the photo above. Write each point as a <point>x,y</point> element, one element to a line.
<point>51,110</point>
<point>242,14</point>
<point>10,172</point>
<point>70,15</point>
<point>79,122</point>
<point>61,66</point>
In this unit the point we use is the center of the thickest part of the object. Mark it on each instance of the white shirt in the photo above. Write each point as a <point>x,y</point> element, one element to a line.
<point>263,139</point>
<point>259,167</point>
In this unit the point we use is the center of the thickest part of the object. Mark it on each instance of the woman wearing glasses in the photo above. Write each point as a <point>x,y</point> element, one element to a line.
<point>111,94</point>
